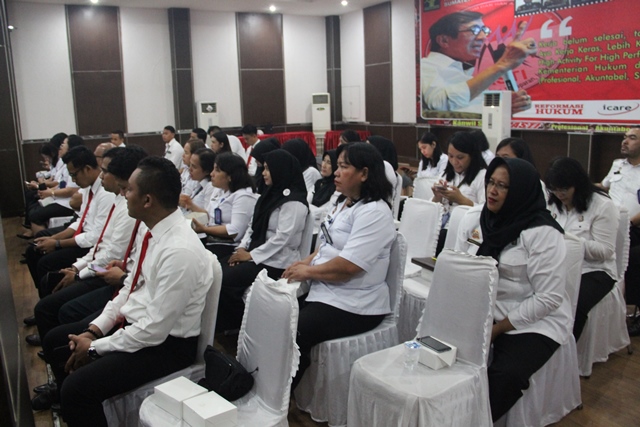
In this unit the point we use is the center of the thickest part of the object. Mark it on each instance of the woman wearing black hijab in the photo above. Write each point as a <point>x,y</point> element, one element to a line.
<point>301,151</point>
<point>258,153</point>
<point>324,194</point>
<point>532,315</point>
<point>272,241</point>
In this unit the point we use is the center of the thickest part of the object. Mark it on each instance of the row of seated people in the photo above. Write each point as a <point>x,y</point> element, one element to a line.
<point>335,270</point>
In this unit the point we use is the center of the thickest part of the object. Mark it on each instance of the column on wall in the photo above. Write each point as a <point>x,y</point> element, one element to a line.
<point>182,68</point>
<point>334,79</point>
<point>96,68</point>
<point>261,63</point>
<point>377,60</point>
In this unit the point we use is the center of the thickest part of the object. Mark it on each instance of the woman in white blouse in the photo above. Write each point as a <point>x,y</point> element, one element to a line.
<point>273,240</point>
<point>587,212</point>
<point>190,147</point>
<point>231,208</point>
<point>532,314</point>
<point>348,293</point>
<point>432,160</point>
<point>324,195</point>
<point>200,168</point>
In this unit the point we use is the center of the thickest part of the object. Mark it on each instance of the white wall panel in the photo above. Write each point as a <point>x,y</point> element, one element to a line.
<point>352,64</point>
<point>42,69</point>
<point>216,77</point>
<point>403,60</point>
<point>146,57</point>
<point>305,64</point>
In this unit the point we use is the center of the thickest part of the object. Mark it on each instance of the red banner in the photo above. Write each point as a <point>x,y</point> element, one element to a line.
<point>586,70</point>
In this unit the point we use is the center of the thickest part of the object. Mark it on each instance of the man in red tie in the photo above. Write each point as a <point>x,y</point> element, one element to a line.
<point>151,328</point>
<point>250,135</point>
<point>62,249</point>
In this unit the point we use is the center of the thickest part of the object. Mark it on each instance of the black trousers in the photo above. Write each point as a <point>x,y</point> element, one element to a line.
<point>82,392</point>
<point>47,310</point>
<point>220,251</point>
<point>593,287</point>
<point>39,214</point>
<point>319,322</point>
<point>632,276</point>
<point>235,281</point>
<point>84,305</point>
<point>515,358</point>
<point>40,264</point>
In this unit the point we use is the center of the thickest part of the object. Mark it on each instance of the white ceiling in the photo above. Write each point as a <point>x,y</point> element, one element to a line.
<point>287,7</point>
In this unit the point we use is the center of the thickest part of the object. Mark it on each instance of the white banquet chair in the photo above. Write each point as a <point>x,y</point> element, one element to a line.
<point>459,311</point>
<point>422,187</point>
<point>324,388</point>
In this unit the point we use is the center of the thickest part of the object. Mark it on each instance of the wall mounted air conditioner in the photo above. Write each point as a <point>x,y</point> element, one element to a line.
<point>208,114</point>
<point>496,116</point>
<point>320,112</point>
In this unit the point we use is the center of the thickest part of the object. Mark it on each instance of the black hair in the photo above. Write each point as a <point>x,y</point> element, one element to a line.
<point>235,166</point>
<point>224,140</point>
<point>50,151</point>
<point>448,25</point>
<point>119,132</point>
<point>429,138</point>
<point>195,144</point>
<point>58,139</point>
<point>350,135</point>
<point>125,161</point>
<point>214,129</point>
<point>160,178</point>
<point>565,172</point>
<point>170,129</point>
<point>207,159</point>
<point>466,143</point>
<point>112,152</point>
<point>519,148</point>
<point>74,141</point>
<point>362,155</point>
<point>481,139</point>
<point>249,130</point>
<point>200,133</point>
<point>80,156</point>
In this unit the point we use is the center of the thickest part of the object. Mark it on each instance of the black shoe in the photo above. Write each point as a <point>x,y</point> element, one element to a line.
<point>45,400</point>
<point>42,388</point>
<point>31,320</point>
<point>634,328</point>
<point>34,340</point>
<point>22,236</point>
<point>23,261</point>
<point>41,355</point>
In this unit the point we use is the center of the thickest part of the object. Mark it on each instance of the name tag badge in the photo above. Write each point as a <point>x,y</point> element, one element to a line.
<point>62,184</point>
<point>217,216</point>
<point>325,233</point>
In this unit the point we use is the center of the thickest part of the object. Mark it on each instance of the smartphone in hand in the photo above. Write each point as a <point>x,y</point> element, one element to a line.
<point>97,268</point>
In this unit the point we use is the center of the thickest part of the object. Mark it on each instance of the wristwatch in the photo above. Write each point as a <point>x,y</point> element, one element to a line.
<point>93,353</point>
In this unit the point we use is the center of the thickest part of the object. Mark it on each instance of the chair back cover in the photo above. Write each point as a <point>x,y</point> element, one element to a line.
<point>459,308</point>
<point>573,262</point>
<point>267,340</point>
<point>420,225</point>
<point>210,313</point>
<point>622,243</point>
<point>452,234</point>
<point>422,187</point>
<point>307,237</point>
<point>395,272</point>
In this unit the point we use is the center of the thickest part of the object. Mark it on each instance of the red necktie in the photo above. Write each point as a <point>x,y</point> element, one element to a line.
<point>143,253</point>
<point>249,158</point>
<point>95,250</point>
<point>131,241</point>
<point>86,209</point>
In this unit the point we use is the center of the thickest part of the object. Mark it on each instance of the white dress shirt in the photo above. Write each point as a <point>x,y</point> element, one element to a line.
<point>531,283</point>
<point>284,235</point>
<point>475,192</point>
<point>444,85</point>
<point>362,234</point>
<point>252,165</point>
<point>174,151</point>
<point>187,182</point>
<point>488,155</point>
<point>311,175</point>
<point>623,182</point>
<point>237,147</point>
<point>64,180</point>
<point>433,172</point>
<point>320,212</point>
<point>96,215</point>
<point>114,240</point>
<point>201,193</point>
<point>597,227</point>
<point>236,210</point>
<point>169,296</point>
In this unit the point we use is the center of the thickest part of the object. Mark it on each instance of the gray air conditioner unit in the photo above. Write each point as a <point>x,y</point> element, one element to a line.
<point>496,116</point>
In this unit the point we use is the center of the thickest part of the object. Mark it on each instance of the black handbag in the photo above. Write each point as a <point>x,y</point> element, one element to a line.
<point>225,375</point>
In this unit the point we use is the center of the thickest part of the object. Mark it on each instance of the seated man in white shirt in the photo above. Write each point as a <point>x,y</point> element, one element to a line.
<point>250,135</point>
<point>623,184</point>
<point>447,72</point>
<point>151,328</point>
<point>117,138</point>
<point>173,150</point>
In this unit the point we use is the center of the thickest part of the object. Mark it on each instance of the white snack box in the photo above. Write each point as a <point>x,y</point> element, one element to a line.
<point>170,395</point>
<point>208,410</point>
<point>435,360</point>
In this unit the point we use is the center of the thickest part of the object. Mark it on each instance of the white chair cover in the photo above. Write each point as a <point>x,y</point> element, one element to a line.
<point>123,410</point>
<point>307,236</point>
<point>413,300</point>
<point>606,329</point>
<point>266,342</point>
<point>59,221</point>
<point>452,234</point>
<point>460,311</point>
<point>421,221</point>
<point>422,187</point>
<point>324,387</point>
<point>397,196</point>
<point>554,390</point>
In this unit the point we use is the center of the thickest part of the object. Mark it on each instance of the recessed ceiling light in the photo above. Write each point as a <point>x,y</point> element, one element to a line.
<point>272,8</point>
<point>344,2</point>
<point>94,1</point>
<point>11,27</point>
